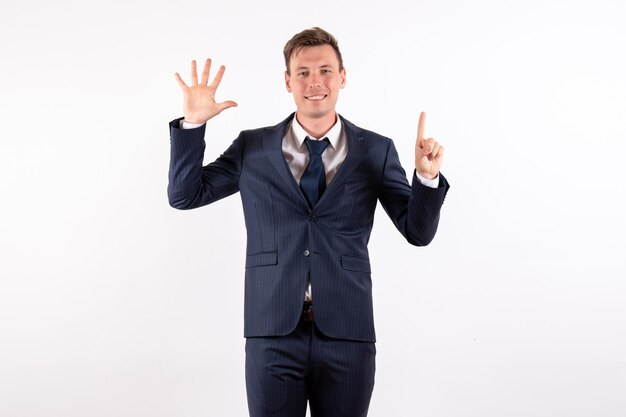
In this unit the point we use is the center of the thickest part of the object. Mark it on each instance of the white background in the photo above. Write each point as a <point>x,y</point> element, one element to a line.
<point>114,304</point>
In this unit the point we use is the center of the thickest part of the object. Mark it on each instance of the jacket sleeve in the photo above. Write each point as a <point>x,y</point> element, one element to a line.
<point>190,184</point>
<point>413,209</point>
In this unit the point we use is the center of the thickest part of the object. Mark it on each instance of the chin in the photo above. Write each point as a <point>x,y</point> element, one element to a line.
<point>315,113</point>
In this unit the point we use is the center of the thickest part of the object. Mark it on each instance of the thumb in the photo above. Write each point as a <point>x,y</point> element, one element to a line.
<point>227,104</point>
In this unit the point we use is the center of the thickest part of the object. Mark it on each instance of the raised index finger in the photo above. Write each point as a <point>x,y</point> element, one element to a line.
<point>420,126</point>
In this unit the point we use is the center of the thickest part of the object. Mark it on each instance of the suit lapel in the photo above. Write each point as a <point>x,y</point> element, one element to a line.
<point>272,145</point>
<point>356,151</point>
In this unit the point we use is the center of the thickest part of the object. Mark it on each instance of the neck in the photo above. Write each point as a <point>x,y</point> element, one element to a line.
<point>317,127</point>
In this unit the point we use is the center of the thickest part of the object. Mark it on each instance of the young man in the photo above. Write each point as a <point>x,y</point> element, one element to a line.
<point>309,187</point>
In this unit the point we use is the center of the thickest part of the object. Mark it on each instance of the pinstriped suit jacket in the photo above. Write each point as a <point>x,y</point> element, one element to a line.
<point>287,241</point>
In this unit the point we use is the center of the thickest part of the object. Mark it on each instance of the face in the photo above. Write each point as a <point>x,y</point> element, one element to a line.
<point>315,80</point>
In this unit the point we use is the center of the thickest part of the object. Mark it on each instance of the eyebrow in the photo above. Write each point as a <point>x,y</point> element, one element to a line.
<point>321,66</point>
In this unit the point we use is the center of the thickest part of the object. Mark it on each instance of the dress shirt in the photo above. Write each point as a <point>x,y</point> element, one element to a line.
<point>297,157</point>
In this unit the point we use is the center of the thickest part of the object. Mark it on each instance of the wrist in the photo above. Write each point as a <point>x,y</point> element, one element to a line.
<point>195,121</point>
<point>426,175</point>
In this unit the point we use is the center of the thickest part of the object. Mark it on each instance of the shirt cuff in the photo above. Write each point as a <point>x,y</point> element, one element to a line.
<point>434,183</point>
<point>187,125</point>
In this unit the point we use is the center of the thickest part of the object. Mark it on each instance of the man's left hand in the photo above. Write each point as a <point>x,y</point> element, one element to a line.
<point>428,153</point>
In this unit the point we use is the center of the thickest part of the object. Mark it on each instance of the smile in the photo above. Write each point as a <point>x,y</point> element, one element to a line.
<point>318,97</point>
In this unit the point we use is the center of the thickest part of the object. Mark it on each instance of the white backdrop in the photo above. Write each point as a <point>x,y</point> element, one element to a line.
<point>114,304</point>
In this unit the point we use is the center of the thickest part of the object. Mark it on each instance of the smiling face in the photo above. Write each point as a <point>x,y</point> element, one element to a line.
<point>314,79</point>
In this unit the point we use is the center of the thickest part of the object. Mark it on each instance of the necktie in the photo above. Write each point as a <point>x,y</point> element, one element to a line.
<point>313,181</point>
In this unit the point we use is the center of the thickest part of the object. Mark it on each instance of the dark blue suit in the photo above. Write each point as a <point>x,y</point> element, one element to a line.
<point>288,241</point>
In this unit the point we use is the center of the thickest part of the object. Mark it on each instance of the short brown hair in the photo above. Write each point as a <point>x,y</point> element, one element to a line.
<point>311,37</point>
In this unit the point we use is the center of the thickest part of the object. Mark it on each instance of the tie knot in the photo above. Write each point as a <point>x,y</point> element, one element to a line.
<point>316,147</point>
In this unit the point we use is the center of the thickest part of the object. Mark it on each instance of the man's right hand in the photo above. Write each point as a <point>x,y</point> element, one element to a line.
<point>199,99</point>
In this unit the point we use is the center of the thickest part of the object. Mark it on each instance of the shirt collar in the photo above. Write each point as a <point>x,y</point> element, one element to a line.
<point>299,134</point>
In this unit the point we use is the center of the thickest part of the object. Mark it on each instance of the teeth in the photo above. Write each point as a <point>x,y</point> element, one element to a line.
<point>316,97</point>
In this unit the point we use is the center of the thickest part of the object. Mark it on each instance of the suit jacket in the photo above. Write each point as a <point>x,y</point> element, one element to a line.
<point>287,241</point>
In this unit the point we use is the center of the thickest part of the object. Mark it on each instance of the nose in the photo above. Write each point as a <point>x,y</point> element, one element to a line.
<point>315,81</point>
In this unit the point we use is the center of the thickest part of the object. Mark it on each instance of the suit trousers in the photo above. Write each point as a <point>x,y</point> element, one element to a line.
<point>336,376</point>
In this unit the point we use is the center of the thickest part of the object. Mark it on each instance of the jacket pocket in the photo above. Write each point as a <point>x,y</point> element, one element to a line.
<point>261,259</point>
<point>352,263</point>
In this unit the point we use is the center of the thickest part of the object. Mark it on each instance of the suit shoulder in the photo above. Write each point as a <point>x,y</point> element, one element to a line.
<point>261,131</point>
<point>373,136</point>
<point>369,135</point>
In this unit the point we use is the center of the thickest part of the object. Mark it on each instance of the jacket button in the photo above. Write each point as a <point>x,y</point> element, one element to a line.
<point>313,219</point>
<point>306,252</point>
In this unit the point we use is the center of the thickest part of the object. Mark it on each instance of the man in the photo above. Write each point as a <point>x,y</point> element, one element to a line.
<point>309,187</point>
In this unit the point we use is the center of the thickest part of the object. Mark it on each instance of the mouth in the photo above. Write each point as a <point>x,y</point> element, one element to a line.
<point>317,97</point>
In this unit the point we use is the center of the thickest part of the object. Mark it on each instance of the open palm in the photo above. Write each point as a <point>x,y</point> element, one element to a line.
<point>199,103</point>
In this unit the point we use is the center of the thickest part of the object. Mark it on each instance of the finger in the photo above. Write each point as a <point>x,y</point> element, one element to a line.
<point>437,160</point>
<point>439,153</point>
<point>435,150</point>
<point>194,73</point>
<point>420,126</point>
<point>180,81</point>
<point>205,72</point>
<point>218,77</point>
<point>427,145</point>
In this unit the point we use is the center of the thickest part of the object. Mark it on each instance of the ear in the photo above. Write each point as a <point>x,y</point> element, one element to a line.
<point>287,82</point>
<point>342,73</point>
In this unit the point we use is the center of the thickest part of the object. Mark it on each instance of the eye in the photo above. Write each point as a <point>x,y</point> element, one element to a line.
<point>326,71</point>
<point>302,74</point>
